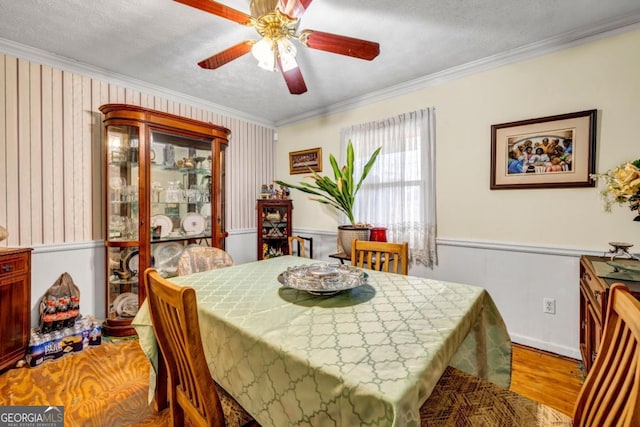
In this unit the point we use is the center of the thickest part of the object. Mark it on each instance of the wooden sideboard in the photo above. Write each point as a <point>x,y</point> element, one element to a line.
<point>15,304</point>
<point>594,296</point>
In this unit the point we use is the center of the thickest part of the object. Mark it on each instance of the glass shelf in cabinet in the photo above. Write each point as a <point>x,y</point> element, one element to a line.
<point>196,171</point>
<point>132,281</point>
<point>179,203</point>
<point>181,237</point>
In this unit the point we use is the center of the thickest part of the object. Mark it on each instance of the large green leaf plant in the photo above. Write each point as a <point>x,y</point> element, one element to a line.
<point>339,192</point>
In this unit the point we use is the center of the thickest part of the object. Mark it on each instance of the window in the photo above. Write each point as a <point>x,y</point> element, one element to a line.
<point>399,192</point>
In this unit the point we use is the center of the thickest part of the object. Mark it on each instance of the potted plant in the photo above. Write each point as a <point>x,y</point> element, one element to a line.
<point>339,192</point>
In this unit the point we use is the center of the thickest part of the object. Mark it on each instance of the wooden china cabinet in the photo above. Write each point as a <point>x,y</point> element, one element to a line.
<point>164,189</point>
<point>594,297</point>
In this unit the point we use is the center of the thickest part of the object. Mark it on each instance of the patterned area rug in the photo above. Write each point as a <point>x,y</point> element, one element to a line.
<point>462,400</point>
<point>105,385</point>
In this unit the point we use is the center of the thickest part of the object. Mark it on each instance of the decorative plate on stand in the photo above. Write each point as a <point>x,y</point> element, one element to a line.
<point>164,222</point>
<point>193,223</point>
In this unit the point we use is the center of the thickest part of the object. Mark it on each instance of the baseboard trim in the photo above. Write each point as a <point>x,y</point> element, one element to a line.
<point>546,346</point>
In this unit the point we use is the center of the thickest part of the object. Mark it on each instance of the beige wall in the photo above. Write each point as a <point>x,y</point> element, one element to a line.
<point>602,75</point>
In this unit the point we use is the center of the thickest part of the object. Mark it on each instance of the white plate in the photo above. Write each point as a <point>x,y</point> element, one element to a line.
<point>167,255</point>
<point>193,223</point>
<point>164,222</point>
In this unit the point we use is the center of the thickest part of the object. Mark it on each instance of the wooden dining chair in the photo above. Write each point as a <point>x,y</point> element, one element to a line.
<point>197,258</point>
<point>192,393</point>
<point>383,256</point>
<point>300,241</point>
<point>610,395</point>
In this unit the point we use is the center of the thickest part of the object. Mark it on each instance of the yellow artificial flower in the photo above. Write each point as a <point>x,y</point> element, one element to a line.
<point>622,185</point>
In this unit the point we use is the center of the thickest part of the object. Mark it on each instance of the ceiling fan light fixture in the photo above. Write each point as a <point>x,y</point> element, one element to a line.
<point>263,51</point>
<point>287,52</point>
<point>267,51</point>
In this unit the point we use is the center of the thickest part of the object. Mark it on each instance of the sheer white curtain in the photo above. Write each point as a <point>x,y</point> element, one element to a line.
<point>399,192</point>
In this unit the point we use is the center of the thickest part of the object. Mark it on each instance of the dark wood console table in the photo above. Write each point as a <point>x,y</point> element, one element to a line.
<point>594,295</point>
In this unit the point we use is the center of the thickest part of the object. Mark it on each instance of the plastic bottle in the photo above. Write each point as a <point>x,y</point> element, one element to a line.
<point>74,311</point>
<point>62,313</point>
<point>48,317</point>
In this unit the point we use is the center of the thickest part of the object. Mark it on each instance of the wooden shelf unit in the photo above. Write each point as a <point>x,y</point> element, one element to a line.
<point>274,227</point>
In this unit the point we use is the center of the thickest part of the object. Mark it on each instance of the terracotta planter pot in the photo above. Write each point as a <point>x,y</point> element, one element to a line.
<point>346,233</point>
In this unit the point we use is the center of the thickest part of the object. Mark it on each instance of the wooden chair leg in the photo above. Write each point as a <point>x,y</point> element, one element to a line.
<point>160,397</point>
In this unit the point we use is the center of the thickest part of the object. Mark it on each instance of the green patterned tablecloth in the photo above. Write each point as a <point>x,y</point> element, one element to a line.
<point>366,357</point>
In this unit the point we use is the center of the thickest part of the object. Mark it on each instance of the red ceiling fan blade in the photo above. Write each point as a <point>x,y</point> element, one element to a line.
<point>227,55</point>
<point>341,45</point>
<point>293,77</point>
<point>293,8</point>
<point>220,10</point>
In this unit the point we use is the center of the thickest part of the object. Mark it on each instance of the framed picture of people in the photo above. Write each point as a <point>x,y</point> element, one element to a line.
<point>547,152</point>
<point>305,161</point>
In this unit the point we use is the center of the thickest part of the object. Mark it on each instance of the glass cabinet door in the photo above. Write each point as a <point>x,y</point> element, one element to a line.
<point>122,188</point>
<point>163,177</point>
<point>181,195</point>
<point>221,220</point>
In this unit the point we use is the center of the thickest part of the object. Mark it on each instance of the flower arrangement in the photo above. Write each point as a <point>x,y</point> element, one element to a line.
<point>622,186</point>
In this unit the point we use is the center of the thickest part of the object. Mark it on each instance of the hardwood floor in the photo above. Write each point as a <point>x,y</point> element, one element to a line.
<point>107,385</point>
<point>546,378</point>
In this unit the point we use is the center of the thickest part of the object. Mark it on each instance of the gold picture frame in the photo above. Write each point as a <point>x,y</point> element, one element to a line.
<point>548,152</point>
<point>305,160</point>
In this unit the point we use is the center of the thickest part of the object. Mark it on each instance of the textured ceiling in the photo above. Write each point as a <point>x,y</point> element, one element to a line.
<point>160,42</point>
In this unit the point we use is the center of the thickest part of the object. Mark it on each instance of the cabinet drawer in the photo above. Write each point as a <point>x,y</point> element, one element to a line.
<point>10,265</point>
<point>594,287</point>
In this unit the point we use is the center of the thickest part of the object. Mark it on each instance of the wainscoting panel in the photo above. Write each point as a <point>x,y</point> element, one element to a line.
<point>518,278</point>
<point>84,261</point>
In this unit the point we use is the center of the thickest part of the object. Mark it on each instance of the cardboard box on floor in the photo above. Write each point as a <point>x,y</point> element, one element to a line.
<point>52,345</point>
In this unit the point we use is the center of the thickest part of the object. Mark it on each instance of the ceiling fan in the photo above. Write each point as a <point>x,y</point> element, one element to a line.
<point>276,21</point>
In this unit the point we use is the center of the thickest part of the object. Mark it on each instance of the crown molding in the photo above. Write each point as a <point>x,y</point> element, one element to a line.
<point>543,47</point>
<point>66,64</point>
<point>553,44</point>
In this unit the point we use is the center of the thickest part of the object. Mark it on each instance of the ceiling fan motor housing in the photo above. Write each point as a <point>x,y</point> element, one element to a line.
<point>262,7</point>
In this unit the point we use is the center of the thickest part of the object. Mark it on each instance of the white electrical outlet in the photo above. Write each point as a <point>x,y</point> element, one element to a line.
<point>549,305</point>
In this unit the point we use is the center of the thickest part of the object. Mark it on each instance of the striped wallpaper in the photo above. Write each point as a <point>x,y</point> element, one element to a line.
<point>51,164</point>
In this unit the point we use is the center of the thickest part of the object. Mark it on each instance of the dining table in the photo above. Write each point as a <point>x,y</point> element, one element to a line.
<point>367,356</point>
